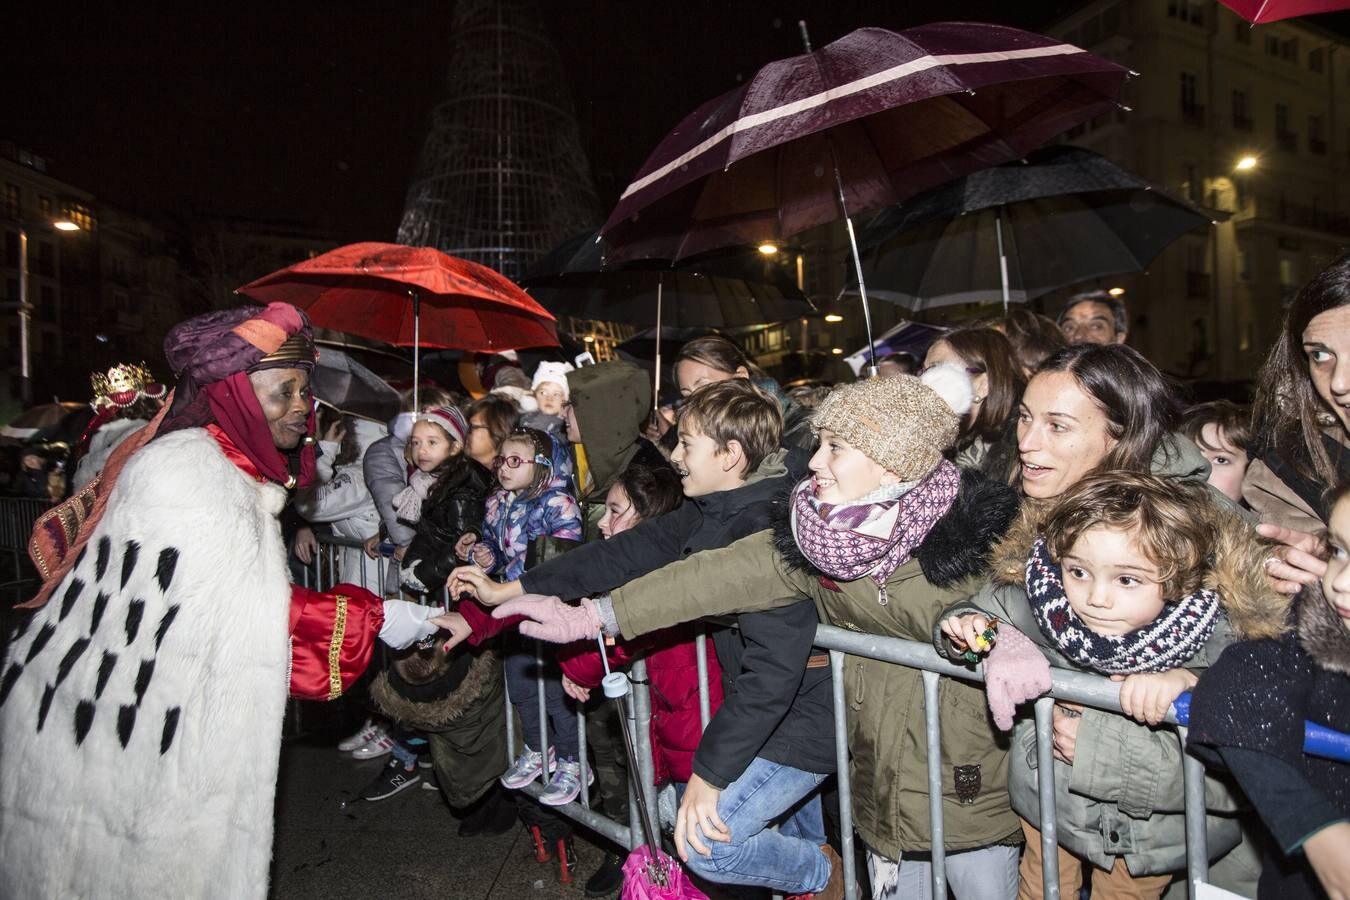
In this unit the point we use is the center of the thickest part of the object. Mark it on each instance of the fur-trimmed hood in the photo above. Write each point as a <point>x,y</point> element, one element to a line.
<point>447,688</point>
<point>955,548</point>
<point>1236,571</point>
<point>1321,631</point>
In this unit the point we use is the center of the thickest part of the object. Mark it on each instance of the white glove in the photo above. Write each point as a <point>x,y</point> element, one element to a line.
<point>406,623</point>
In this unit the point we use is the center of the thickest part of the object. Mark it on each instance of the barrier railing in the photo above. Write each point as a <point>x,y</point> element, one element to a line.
<point>17,515</point>
<point>326,570</point>
<point>1078,687</point>
<point>1088,690</point>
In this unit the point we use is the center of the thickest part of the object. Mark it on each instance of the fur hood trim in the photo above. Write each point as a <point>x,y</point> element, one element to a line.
<point>438,713</point>
<point>956,548</point>
<point>1236,571</point>
<point>1321,631</point>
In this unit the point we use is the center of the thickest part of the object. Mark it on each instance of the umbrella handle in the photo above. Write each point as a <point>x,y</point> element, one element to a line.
<point>616,688</point>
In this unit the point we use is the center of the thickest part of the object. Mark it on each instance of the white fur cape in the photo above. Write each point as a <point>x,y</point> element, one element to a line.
<point>141,708</point>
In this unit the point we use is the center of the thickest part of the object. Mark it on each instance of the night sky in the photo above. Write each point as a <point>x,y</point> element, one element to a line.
<point>315,112</point>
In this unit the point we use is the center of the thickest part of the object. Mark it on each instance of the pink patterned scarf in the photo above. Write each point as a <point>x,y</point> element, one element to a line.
<point>830,537</point>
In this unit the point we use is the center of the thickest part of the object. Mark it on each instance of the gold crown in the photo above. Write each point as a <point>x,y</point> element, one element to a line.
<point>124,384</point>
<point>299,347</point>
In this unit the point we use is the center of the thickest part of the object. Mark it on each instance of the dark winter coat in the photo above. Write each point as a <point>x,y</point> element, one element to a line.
<point>611,402</point>
<point>453,508</point>
<point>1247,714</point>
<point>774,706</point>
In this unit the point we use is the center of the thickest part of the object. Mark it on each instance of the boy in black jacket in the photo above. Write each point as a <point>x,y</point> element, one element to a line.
<point>770,745</point>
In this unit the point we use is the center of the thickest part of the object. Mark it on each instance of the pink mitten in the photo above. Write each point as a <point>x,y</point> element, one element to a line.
<point>1014,672</point>
<point>552,619</point>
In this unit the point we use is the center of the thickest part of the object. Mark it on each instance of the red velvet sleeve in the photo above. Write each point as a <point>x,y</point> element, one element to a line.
<point>479,618</point>
<point>333,635</point>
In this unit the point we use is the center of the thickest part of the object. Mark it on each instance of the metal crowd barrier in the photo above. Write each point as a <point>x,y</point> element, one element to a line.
<point>325,570</point>
<point>1089,690</point>
<point>17,515</point>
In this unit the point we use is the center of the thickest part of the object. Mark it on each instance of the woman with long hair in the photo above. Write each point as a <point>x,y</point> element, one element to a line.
<point>985,440</point>
<point>1302,412</point>
<point>714,358</point>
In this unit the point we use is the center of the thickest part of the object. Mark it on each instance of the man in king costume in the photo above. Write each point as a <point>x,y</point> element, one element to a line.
<point>141,705</point>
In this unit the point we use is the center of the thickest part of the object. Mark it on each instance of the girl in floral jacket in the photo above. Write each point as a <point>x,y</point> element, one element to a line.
<point>533,507</point>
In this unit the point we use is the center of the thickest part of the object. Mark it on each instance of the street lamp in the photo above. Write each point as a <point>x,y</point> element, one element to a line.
<point>833,318</point>
<point>768,248</point>
<point>26,308</point>
<point>1246,164</point>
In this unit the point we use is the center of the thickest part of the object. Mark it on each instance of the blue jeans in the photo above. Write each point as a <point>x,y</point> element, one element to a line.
<point>522,688</point>
<point>789,860</point>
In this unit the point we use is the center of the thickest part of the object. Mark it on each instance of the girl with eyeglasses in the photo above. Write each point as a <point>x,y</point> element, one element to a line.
<point>532,510</point>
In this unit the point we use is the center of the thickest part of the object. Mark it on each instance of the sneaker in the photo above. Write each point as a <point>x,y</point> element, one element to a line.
<point>565,785</point>
<point>424,761</point>
<point>429,784</point>
<point>392,780</point>
<point>380,745</point>
<point>527,767</point>
<point>368,733</point>
<point>607,879</point>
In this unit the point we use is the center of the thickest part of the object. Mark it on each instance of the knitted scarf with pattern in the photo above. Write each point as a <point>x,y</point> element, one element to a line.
<point>1167,643</point>
<point>830,538</point>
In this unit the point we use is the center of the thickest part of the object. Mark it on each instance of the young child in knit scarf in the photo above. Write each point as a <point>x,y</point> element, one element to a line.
<point>533,503</point>
<point>1145,581</point>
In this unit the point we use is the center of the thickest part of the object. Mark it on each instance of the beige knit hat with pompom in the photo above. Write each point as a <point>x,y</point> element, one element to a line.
<point>903,423</point>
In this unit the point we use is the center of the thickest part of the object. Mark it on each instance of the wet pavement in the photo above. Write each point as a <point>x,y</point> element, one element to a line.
<point>330,845</point>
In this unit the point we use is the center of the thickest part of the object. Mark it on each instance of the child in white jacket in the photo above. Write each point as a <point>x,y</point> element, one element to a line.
<point>340,497</point>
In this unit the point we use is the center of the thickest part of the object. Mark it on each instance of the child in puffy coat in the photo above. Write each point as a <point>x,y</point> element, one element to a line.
<point>644,492</point>
<point>1143,580</point>
<point>532,508</point>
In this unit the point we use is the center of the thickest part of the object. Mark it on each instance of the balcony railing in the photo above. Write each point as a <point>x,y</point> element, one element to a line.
<point>1193,114</point>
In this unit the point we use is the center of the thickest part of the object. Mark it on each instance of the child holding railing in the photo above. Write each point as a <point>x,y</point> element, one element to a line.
<point>1142,580</point>
<point>1248,713</point>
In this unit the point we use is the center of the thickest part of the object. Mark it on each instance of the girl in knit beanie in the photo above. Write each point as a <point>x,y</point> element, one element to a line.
<point>1147,582</point>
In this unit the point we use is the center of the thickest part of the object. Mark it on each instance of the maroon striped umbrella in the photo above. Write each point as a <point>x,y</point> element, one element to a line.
<point>895,112</point>
<point>867,121</point>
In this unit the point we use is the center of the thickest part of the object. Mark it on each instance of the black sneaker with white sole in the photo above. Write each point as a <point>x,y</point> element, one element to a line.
<point>391,781</point>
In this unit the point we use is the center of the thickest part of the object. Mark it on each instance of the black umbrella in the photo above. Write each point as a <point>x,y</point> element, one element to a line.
<point>730,289</point>
<point>1020,230</point>
<point>350,387</point>
<point>724,290</point>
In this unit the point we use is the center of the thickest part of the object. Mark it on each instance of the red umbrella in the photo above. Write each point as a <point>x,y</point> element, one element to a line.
<point>1261,11</point>
<point>412,297</point>
<point>867,121</point>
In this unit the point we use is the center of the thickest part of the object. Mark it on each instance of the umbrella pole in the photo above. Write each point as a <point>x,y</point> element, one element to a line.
<point>656,389</point>
<point>872,371</point>
<point>417,350</point>
<point>1002,257</point>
